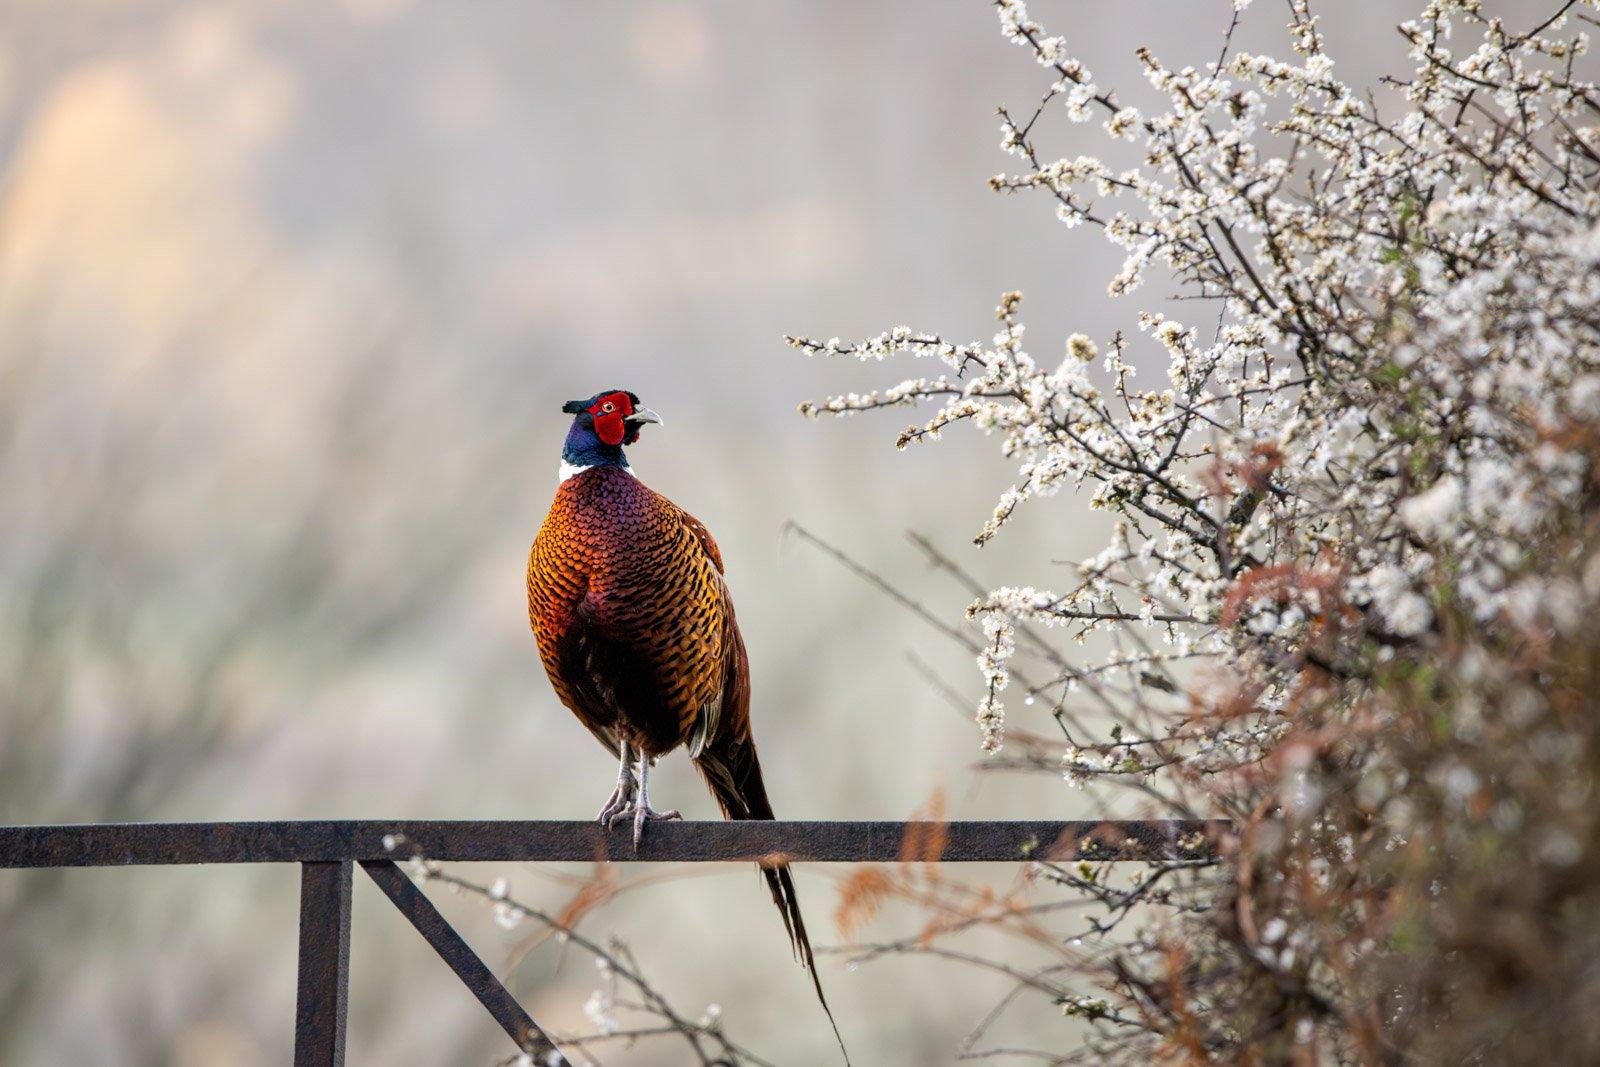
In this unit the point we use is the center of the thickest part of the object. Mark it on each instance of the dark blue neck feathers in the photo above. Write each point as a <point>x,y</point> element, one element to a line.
<point>585,449</point>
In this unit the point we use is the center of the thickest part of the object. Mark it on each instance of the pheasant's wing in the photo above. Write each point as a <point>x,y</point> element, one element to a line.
<point>729,708</point>
<point>708,544</point>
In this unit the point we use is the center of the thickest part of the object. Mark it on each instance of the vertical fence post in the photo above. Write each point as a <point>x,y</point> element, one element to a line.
<point>324,989</point>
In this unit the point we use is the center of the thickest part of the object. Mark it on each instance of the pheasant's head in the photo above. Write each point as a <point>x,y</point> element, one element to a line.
<point>601,425</point>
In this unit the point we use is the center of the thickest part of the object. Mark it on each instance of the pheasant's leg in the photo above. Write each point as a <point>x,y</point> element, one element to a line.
<point>622,797</point>
<point>641,803</point>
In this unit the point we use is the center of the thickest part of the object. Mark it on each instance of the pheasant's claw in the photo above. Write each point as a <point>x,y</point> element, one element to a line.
<point>642,814</point>
<point>617,807</point>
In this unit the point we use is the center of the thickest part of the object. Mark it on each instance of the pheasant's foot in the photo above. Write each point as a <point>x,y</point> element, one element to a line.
<point>643,814</point>
<point>621,801</point>
<point>640,808</point>
<point>632,812</point>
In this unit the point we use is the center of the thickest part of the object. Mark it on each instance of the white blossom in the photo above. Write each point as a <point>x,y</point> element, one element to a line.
<point>1431,512</point>
<point>1378,425</point>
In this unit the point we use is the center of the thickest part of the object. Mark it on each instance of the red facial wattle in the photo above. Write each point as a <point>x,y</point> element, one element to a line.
<point>610,426</point>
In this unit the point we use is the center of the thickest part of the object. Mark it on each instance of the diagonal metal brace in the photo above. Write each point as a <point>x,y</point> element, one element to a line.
<point>474,974</point>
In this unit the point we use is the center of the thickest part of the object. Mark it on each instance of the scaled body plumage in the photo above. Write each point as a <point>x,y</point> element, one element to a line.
<point>633,619</point>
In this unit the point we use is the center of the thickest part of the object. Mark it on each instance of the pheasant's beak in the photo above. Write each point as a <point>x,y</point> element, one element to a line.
<point>643,415</point>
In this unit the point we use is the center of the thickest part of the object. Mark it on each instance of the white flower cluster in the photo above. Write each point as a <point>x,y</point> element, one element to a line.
<point>1380,424</point>
<point>601,1009</point>
<point>999,645</point>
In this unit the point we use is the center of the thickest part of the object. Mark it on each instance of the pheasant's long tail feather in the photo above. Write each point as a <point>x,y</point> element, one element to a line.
<point>734,775</point>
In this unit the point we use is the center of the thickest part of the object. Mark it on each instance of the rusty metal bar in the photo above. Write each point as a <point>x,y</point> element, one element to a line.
<point>324,992</point>
<point>415,906</point>
<point>121,844</point>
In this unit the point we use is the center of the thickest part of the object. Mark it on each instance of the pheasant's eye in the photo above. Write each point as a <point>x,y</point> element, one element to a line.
<point>608,406</point>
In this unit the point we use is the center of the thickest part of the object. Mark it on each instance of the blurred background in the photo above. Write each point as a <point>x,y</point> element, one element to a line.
<point>290,297</point>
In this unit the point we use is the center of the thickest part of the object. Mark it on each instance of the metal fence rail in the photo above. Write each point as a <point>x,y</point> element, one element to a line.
<point>329,851</point>
<point>328,841</point>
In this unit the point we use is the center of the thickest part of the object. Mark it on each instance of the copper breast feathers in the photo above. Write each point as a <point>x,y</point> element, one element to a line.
<point>627,602</point>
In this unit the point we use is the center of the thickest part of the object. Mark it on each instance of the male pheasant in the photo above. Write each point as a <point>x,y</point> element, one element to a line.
<point>636,630</point>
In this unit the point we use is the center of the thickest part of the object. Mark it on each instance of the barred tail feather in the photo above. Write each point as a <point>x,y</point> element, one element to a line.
<point>734,774</point>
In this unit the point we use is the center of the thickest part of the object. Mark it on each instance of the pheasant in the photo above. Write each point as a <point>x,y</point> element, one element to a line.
<point>636,630</point>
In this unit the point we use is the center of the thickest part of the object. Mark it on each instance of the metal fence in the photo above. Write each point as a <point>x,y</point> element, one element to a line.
<point>329,851</point>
